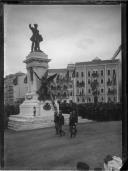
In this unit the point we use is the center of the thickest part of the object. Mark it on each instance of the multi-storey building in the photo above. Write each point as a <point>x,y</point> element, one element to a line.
<point>97,80</point>
<point>63,85</point>
<point>8,89</point>
<point>15,88</point>
<point>20,87</point>
<point>82,82</point>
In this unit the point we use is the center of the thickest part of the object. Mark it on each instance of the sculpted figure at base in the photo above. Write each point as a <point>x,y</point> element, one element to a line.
<point>36,38</point>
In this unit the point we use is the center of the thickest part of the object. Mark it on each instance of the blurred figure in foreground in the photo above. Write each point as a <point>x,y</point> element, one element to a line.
<point>112,163</point>
<point>82,166</point>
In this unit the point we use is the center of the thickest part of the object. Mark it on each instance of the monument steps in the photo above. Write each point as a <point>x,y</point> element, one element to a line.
<point>29,125</point>
<point>19,123</point>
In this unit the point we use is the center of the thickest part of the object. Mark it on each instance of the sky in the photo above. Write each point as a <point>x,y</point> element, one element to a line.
<point>71,33</point>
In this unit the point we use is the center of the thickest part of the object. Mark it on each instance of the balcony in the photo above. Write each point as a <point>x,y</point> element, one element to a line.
<point>95,74</point>
<point>65,87</point>
<point>112,92</point>
<point>109,83</point>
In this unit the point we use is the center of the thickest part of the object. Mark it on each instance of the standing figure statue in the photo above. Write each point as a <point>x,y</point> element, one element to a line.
<point>36,38</point>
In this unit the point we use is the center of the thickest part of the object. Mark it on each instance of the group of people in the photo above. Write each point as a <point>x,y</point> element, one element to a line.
<point>59,122</point>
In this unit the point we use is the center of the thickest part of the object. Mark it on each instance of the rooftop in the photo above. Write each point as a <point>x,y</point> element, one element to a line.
<point>98,61</point>
<point>57,70</point>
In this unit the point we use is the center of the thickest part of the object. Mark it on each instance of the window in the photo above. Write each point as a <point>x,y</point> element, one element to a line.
<point>82,91</point>
<point>108,72</point>
<point>102,81</point>
<point>109,90</point>
<point>82,74</point>
<point>64,94</point>
<point>101,72</point>
<point>109,80</point>
<point>109,99</point>
<point>77,83</point>
<point>78,99</point>
<point>89,91</point>
<point>88,73</point>
<point>58,87</point>
<point>114,71</point>
<point>89,99</point>
<point>102,90</point>
<point>77,74</point>
<point>83,100</point>
<point>102,99</point>
<point>114,99</point>
<point>88,81</point>
<point>70,93</point>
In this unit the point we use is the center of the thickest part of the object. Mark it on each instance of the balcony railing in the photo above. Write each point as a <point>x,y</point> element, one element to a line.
<point>95,74</point>
<point>109,83</point>
<point>112,92</point>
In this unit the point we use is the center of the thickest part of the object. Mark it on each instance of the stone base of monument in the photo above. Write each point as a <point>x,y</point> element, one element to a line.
<point>28,120</point>
<point>20,122</point>
<point>43,118</point>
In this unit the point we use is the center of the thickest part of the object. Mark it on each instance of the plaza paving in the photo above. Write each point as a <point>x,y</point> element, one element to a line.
<point>42,149</point>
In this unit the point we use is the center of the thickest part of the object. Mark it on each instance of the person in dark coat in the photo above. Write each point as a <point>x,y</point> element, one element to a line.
<point>56,120</point>
<point>82,166</point>
<point>73,119</point>
<point>61,123</point>
<point>34,111</point>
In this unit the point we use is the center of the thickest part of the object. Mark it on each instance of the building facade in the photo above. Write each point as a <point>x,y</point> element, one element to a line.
<point>97,80</point>
<point>8,89</point>
<point>15,88</point>
<point>88,82</point>
<point>83,82</point>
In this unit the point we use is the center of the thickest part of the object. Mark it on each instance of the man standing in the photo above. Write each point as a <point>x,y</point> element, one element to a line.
<point>56,120</point>
<point>61,123</point>
<point>34,111</point>
<point>73,120</point>
<point>36,38</point>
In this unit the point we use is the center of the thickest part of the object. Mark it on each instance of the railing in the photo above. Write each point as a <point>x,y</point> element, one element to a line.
<point>95,74</point>
<point>112,92</point>
<point>109,83</point>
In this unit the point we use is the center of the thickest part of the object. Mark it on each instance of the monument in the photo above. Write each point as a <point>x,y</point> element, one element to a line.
<point>36,111</point>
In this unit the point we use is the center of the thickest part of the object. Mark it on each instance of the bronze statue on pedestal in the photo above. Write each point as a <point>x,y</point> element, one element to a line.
<point>36,38</point>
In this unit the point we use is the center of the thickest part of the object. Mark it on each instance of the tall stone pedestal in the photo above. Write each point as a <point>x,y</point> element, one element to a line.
<point>27,119</point>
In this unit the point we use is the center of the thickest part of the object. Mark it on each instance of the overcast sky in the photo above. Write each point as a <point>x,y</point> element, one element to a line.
<point>71,33</point>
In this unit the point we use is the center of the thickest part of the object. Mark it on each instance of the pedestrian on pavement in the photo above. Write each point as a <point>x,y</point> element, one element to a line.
<point>34,111</point>
<point>56,121</point>
<point>61,123</point>
<point>82,166</point>
<point>73,120</point>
